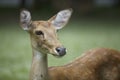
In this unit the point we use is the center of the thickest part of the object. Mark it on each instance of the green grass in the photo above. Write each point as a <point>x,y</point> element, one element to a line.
<point>77,37</point>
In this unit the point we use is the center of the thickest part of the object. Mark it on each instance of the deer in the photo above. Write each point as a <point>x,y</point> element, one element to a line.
<point>94,64</point>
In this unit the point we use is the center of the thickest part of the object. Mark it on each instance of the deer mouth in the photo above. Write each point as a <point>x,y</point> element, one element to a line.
<point>57,52</point>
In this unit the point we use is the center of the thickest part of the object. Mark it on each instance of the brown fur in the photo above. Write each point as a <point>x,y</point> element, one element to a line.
<point>96,64</point>
<point>47,42</point>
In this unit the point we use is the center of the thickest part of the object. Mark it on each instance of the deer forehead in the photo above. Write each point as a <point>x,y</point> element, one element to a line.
<point>43,25</point>
<point>46,27</point>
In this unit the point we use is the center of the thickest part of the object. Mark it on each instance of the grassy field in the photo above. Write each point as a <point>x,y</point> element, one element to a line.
<point>78,36</point>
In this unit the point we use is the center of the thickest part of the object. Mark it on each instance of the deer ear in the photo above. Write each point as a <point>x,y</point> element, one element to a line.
<point>25,19</point>
<point>61,19</point>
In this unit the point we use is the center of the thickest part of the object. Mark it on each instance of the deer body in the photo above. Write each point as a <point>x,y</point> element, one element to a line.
<point>97,64</point>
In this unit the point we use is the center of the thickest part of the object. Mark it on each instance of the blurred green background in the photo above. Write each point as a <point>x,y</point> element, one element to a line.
<point>94,23</point>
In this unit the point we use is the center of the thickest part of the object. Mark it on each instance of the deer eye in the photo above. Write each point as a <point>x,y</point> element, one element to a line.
<point>39,33</point>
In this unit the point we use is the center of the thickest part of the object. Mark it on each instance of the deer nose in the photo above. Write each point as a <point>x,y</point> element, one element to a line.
<point>61,51</point>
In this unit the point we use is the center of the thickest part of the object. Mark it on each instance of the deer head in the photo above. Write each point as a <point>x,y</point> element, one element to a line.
<point>43,33</point>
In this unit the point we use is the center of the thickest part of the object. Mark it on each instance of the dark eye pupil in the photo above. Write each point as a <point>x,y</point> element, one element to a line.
<point>39,32</point>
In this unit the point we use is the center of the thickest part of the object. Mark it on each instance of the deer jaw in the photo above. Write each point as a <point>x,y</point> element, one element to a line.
<point>43,33</point>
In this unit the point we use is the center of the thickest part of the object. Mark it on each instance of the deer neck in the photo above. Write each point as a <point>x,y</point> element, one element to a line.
<point>39,68</point>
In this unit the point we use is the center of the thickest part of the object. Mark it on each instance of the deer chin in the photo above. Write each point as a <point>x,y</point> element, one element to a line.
<point>57,56</point>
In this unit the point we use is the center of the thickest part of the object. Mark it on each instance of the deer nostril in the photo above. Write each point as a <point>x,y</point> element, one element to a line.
<point>61,51</point>
<point>58,50</point>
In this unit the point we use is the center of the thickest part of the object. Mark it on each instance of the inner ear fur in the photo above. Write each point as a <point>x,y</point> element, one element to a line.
<point>61,18</point>
<point>25,19</point>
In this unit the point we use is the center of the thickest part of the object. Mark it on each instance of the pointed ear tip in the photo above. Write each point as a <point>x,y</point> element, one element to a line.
<point>70,9</point>
<point>23,9</point>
